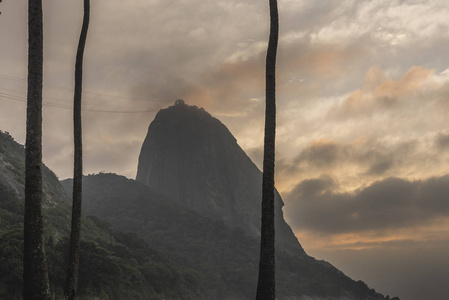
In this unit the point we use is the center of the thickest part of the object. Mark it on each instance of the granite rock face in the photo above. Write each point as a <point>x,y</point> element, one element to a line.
<point>192,158</point>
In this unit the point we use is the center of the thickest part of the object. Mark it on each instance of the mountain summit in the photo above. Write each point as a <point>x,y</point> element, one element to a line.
<point>203,236</point>
<point>191,157</point>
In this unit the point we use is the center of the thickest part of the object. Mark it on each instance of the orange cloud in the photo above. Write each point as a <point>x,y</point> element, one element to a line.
<point>380,92</point>
<point>435,231</point>
<point>326,64</point>
<point>409,83</point>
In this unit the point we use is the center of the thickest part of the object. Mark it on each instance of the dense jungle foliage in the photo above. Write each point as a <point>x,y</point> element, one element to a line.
<point>114,265</point>
<point>227,258</point>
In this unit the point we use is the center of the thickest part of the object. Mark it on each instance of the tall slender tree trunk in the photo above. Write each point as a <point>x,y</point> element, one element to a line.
<point>35,272</point>
<point>73,268</point>
<point>266,283</point>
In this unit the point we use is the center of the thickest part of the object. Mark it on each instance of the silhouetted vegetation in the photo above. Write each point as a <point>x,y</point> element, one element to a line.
<point>113,265</point>
<point>123,267</point>
<point>226,259</point>
<point>184,255</point>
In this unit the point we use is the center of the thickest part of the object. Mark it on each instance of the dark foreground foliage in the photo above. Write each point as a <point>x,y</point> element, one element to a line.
<point>114,265</point>
<point>226,258</point>
<point>183,255</point>
<point>124,267</point>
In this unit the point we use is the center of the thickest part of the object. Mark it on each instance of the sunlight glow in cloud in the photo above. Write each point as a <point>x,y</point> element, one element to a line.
<point>362,100</point>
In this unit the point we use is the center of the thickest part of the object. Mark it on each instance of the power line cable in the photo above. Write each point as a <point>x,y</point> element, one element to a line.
<point>60,106</point>
<point>92,93</point>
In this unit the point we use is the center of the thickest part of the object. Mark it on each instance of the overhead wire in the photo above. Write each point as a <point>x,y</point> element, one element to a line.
<point>56,105</point>
<point>9,96</point>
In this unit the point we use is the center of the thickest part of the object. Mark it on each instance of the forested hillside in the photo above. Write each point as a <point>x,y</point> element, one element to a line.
<point>226,257</point>
<point>138,244</point>
<point>114,265</point>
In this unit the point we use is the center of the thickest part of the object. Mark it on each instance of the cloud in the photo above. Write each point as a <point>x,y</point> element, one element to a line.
<point>385,22</point>
<point>442,141</point>
<point>392,203</point>
<point>381,94</point>
<point>212,54</point>
<point>359,162</point>
<point>381,166</point>
<point>390,127</point>
<point>323,153</point>
<point>362,97</point>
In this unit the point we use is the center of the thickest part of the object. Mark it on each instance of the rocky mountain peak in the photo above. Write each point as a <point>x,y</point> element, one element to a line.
<point>193,159</point>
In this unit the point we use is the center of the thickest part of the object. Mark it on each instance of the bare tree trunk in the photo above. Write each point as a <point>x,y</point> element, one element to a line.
<point>35,272</point>
<point>73,267</point>
<point>266,283</point>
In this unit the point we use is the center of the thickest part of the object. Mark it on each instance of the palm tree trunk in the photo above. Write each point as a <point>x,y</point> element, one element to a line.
<point>35,272</point>
<point>266,282</point>
<point>73,268</point>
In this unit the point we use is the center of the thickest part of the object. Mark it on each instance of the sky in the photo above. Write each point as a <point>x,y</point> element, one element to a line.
<point>362,105</point>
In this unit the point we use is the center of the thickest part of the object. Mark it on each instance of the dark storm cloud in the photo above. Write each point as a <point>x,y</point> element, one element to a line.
<point>392,203</point>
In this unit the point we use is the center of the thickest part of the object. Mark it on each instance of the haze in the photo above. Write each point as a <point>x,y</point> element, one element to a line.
<point>362,136</point>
